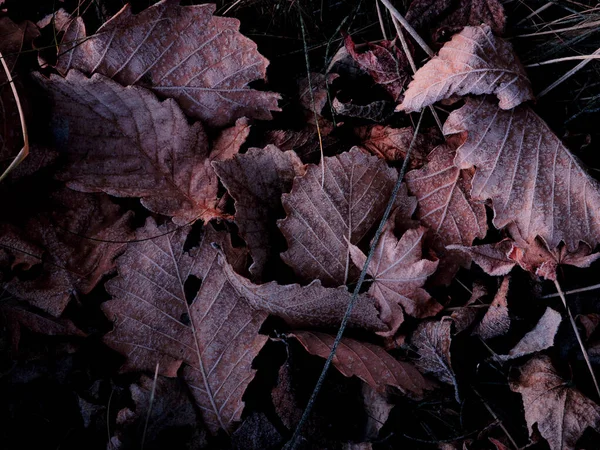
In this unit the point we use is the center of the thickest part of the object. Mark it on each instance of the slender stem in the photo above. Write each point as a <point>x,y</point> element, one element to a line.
<point>574,291</point>
<point>407,26</point>
<point>567,75</point>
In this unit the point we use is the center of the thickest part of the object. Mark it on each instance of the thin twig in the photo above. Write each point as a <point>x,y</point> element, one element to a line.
<point>407,26</point>
<point>567,58</point>
<point>574,325</point>
<point>568,74</point>
<point>293,442</point>
<point>496,418</point>
<point>380,17</point>
<point>593,24</point>
<point>152,392</point>
<point>574,291</point>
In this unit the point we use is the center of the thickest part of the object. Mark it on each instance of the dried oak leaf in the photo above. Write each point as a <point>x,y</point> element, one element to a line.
<point>561,412</point>
<point>306,306</point>
<point>215,335</point>
<point>432,342</point>
<point>530,176</point>
<point>125,142</point>
<point>180,52</point>
<point>77,240</point>
<point>446,17</point>
<point>473,62</point>
<point>538,339</point>
<point>369,362</point>
<point>496,320</point>
<point>443,194</point>
<point>256,181</point>
<point>399,273</point>
<point>326,215</point>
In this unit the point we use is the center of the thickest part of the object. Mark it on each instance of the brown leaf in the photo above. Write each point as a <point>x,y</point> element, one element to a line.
<point>77,238</point>
<point>216,336</point>
<point>180,52</point>
<point>496,321</point>
<point>385,62</point>
<point>492,258</point>
<point>325,215</point>
<point>531,178</point>
<point>284,398</point>
<point>432,341</point>
<point>305,142</point>
<point>464,316</point>
<point>370,363</point>
<point>445,204</point>
<point>399,273</point>
<point>16,250</point>
<point>561,412</point>
<point>256,181</point>
<point>306,306</point>
<point>446,17</point>
<point>377,409</point>
<point>473,62</point>
<point>589,322</point>
<point>125,142</point>
<point>538,339</point>
<point>320,86</point>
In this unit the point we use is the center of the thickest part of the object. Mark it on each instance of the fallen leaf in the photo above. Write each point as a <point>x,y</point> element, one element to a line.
<point>215,334</point>
<point>180,52</point>
<point>305,142</point>
<point>464,316</point>
<point>326,215</point>
<point>125,142</point>
<point>306,306</point>
<point>370,363</point>
<point>538,339</point>
<point>432,342</point>
<point>589,322</point>
<point>530,176</point>
<point>473,62</point>
<point>496,321</point>
<point>377,408</point>
<point>445,203</point>
<point>385,62</point>
<point>561,412</point>
<point>377,111</point>
<point>492,258</point>
<point>446,17</point>
<point>399,273</point>
<point>15,250</point>
<point>256,181</point>
<point>320,87</point>
<point>257,432</point>
<point>284,398</point>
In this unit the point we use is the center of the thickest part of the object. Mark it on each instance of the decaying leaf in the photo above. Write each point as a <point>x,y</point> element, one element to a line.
<point>326,215</point>
<point>443,193</point>
<point>180,52</point>
<point>464,316</point>
<point>560,411</point>
<point>378,409</point>
<point>215,334</point>
<point>446,17</point>
<point>530,176</point>
<point>492,258</point>
<point>125,142</point>
<point>473,62</point>
<point>399,273</point>
<point>256,181</point>
<point>496,321</point>
<point>370,363</point>
<point>538,339</point>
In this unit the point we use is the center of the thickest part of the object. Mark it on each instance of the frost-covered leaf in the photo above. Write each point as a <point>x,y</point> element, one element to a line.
<point>530,176</point>
<point>496,321</point>
<point>326,215</point>
<point>180,52</point>
<point>215,334</point>
<point>492,258</point>
<point>560,411</point>
<point>399,273</point>
<point>473,62</point>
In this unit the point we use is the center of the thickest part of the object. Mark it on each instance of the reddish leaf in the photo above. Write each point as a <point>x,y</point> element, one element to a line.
<point>496,321</point>
<point>377,408</point>
<point>284,398</point>
<point>370,363</point>
<point>216,336</point>
<point>15,250</point>
<point>256,181</point>
<point>320,87</point>
<point>325,215</point>
<point>531,178</point>
<point>561,412</point>
<point>180,52</point>
<point>473,62</point>
<point>492,258</point>
<point>446,17</point>
<point>124,142</point>
<point>464,316</point>
<point>445,204</point>
<point>399,274</point>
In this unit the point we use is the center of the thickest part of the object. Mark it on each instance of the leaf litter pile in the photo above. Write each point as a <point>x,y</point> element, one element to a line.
<point>181,235</point>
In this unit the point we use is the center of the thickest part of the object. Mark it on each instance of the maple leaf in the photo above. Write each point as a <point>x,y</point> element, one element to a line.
<point>446,17</point>
<point>125,142</point>
<point>530,176</point>
<point>496,320</point>
<point>445,204</point>
<point>325,215</point>
<point>180,52</point>
<point>216,335</point>
<point>473,62</point>
<point>399,274</point>
<point>369,362</point>
<point>385,62</point>
<point>492,258</point>
<point>80,238</point>
<point>561,412</point>
<point>256,181</point>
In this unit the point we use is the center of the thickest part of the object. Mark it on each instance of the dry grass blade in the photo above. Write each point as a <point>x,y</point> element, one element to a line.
<point>571,72</point>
